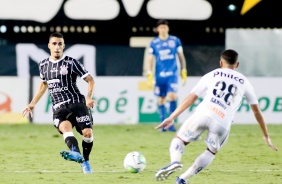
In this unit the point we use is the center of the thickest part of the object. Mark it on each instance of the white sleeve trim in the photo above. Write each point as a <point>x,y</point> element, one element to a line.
<point>83,76</point>
<point>180,49</point>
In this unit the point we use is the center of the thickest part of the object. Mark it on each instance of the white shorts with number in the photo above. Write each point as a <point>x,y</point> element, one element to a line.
<point>194,126</point>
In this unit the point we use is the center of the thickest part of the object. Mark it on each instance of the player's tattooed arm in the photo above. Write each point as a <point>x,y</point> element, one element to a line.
<point>89,101</point>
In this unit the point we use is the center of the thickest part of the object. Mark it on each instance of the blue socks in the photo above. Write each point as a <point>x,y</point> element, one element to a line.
<point>172,106</point>
<point>162,113</point>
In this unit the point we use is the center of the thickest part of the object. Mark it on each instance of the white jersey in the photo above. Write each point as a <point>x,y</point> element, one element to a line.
<point>225,89</point>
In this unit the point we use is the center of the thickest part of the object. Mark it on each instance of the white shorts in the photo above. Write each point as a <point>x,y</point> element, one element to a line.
<point>195,125</point>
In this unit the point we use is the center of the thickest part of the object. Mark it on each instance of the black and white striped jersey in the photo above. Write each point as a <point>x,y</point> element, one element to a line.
<point>61,76</point>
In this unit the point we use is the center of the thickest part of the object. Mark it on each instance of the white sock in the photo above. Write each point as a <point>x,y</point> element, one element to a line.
<point>68,134</point>
<point>176,149</point>
<point>201,162</point>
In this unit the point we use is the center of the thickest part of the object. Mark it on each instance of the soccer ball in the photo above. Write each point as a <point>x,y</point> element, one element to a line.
<point>134,162</point>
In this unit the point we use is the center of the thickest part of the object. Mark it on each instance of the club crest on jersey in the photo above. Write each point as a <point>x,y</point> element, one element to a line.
<point>53,70</point>
<point>64,70</point>
<point>171,43</point>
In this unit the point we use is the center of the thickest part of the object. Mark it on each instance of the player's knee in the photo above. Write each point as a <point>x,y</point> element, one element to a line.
<point>213,151</point>
<point>212,146</point>
<point>172,96</point>
<point>88,139</point>
<point>65,126</point>
<point>87,132</point>
<point>161,100</point>
<point>88,135</point>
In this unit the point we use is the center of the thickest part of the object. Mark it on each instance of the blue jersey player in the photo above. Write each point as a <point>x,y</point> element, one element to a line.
<point>166,49</point>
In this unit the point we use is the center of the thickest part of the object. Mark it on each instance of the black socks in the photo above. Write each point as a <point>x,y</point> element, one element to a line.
<point>87,147</point>
<point>72,143</point>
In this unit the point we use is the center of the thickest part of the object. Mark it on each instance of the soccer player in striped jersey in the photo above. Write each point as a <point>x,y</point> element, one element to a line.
<point>58,74</point>
<point>224,89</point>
<point>166,49</point>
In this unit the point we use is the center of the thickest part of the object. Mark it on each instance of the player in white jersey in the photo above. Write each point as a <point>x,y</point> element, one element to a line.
<point>224,89</point>
<point>59,73</point>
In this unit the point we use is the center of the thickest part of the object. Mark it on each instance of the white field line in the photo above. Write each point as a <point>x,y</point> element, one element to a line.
<point>246,135</point>
<point>119,171</point>
<point>53,171</point>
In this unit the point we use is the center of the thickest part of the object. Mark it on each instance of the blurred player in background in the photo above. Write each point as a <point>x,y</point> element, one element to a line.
<point>58,73</point>
<point>225,89</point>
<point>166,49</point>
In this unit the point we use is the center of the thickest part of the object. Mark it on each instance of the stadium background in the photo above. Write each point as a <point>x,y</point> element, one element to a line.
<point>114,48</point>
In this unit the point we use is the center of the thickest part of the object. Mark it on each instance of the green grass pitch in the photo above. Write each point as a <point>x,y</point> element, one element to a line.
<point>30,154</point>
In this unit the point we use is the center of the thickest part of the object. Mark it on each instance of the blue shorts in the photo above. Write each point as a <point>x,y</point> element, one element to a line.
<point>165,85</point>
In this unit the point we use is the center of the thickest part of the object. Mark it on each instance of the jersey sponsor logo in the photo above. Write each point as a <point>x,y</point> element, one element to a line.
<point>166,74</point>
<point>64,70</point>
<point>171,43</point>
<point>59,89</point>
<point>53,81</point>
<point>216,111</point>
<point>82,119</point>
<point>164,44</point>
<point>53,70</point>
<point>231,76</point>
<point>165,54</point>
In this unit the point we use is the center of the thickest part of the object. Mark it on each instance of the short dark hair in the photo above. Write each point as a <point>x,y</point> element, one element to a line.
<point>162,22</point>
<point>230,56</point>
<point>56,34</point>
